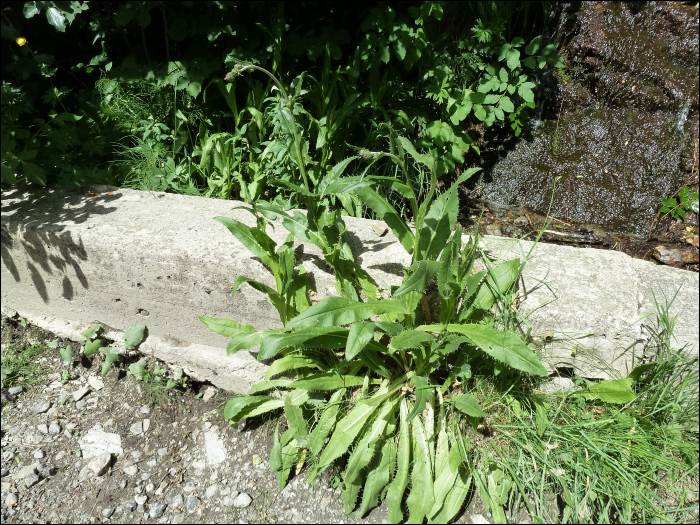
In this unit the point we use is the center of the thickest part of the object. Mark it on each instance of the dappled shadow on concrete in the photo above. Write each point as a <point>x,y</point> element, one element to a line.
<point>34,232</point>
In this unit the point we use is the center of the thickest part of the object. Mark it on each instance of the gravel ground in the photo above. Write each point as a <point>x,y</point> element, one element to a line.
<point>92,451</point>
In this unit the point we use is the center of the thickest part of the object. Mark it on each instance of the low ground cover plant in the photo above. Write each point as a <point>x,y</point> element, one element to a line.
<point>382,386</point>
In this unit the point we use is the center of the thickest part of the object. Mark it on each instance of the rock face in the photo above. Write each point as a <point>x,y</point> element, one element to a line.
<point>619,123</point>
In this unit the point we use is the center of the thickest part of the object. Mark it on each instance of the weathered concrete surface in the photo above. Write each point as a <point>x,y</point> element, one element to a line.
<point>114,256</point>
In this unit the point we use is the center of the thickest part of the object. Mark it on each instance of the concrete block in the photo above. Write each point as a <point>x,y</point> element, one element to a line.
<point>71,259</point>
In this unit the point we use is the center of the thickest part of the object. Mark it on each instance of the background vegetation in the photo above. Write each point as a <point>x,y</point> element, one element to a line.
<point>134,93</point>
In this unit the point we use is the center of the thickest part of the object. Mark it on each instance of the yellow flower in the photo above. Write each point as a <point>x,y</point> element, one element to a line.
<point>21,41</point>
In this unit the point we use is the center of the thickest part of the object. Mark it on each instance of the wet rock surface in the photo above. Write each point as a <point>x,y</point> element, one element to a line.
<point>618,126</point>
<point>188,466</point>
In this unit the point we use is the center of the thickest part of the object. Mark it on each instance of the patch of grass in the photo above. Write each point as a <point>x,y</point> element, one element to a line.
<point>20,366</point>
<point>606,463</point>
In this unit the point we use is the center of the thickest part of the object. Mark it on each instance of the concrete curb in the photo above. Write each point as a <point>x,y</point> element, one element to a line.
<point>114,256</point>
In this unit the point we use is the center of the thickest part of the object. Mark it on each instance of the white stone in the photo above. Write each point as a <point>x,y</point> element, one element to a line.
<point>146,424</point>
<point>80,393</point>
<point>242,501</point>
<point>100,463</point>
<point>215,448</point>
<point>97,442</point>
<point>96,383</point>
<point>131,470</point>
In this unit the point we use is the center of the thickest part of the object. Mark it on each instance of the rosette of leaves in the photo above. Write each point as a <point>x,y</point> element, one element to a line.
<point>370,383</point>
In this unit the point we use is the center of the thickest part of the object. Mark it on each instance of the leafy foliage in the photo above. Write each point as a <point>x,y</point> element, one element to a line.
<point>389,368</point>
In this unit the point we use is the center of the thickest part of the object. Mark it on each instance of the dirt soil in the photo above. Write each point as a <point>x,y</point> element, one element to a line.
<point>181,461</point>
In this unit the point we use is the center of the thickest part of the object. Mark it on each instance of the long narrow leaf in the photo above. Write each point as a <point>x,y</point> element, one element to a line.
<point>345,433</point>
<point>403,461</point>
<point>326,424</point>
<point>306,337</point>
<point>377,476</point>
<point>423,272</point>
<point>420,500</point>
<point>226,327</point>
<point>388,214</point>
<point>245,234</point>
<point>337,311</point>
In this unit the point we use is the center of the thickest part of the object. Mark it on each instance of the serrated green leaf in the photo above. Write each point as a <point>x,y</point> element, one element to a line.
<point>295,418</point>
<point>445,479</point>
<point>506,347</point>
<point>422,391</point>
<point>540,418</point>
<point>326,423</point>
<point>367,446</point>
<point>387,213</point>
<point>421,498</point>
<point>423,272</point>
<point>377,476</point>
<point>264,386</point>
<point>236,404</point>
<point>455,498</point>
<point>403,461</point>
<point>506,105</point>
<point>469,405</point>
<point>410,339</point>
<point>328,381</point>
<point>345,433</point>
<point>135,335</point>
<point>330,337</point>
<point>251,238</point>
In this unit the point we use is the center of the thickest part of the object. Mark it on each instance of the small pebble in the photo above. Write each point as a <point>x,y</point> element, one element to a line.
<point>242,501</point>
<point>43,428</point>
<point>192,504</point>
<point>39,454</point>
<point>136,428</point>
<point>157,510</point>
<point>141,500</point>
<point>31,480</point>
<point>150,487</point>
<point>54,428</point>
<point>107,513</point>
<point>41,406</point>
<point>131,506</point>
<point>15,390</point>
<point>11,499</point>
<point>145,409</point>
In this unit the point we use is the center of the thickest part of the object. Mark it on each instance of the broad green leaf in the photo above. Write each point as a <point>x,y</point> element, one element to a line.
<point>8,175</point>
<point>327,381</point>
<point>347,185</point>
<point>506,347</point>
<point>337,311</point>
<point>138,369</point>
<point>469,405</point>
<point>534,46</point>
<point>421,498</point>
<point>615,391</point>
<point>226,327</point>
<point>67,354</point>
<point>410,339</point>
<point>329,337</point>
<point>264,386</point>
<point>289,362</point>
<point>387,213</point>
<point>325,426</point>
<point>394,184</point>
<point>438,224</point>
<point>638,371</point>
<point>361,332</point>
<point>92,347</point>
<point>455,498</point>
<point>295,418</point>
<point>244,341</point>
<point>135,335</point>
<point>398,485</point>
<point>427,160</point>
<point>371,360</point>
<point>34,173</point>
<point>423,272</point>
<point>345,433</point>
<point>422,391</point>
<point>276,452</point>
<point>506,105</point>
<point>236,404</point>
<point>393,329</point>
<point>57,19</point>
